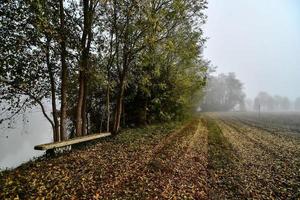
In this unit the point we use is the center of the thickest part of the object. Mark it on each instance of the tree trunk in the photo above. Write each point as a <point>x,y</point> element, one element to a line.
<point>101,122</point>
<point>87,123</point>
<point>142,111</point>
<point>85,45</point>
<point>79,106</point>
<point>83,111</point>
<point>118,111</point>
<point>107,107</point>
<point>63,111</point>
<point>123,114</point>
<point>120,97</point>
<point>122,76</point>
<point>56,135</point>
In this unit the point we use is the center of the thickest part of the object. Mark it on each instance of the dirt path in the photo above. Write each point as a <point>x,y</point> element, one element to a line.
<point>212,157</point>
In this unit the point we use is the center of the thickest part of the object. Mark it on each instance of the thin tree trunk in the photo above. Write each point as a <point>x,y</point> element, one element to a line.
<point>118,111</point>
<point>122,76</point>
<point>123,113</point>
<point>63,111</point>
<point>101,122</point>
<point>107,107</point>
<point>87,123</point>
<point>78,126</point>
<point>111,57</point>
<point>120,97</point>
<point>108,84</point>
<point>83,111</point>
<point>53,93</point>
<point>37,100</point>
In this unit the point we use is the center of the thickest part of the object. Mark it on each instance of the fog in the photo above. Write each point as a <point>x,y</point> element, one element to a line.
<point>259,41</point>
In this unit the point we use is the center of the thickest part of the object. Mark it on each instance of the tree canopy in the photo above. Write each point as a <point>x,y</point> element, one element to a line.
<point>267,102</point>
<point>223,93</point>
<point>102,65</point>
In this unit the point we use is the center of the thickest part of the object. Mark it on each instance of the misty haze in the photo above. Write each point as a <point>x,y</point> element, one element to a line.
<point>177,99</point>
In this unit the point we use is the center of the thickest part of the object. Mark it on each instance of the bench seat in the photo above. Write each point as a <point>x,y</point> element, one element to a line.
<point>69,142</point>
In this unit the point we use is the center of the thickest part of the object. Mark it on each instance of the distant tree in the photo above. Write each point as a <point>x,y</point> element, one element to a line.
<point>281,103</point>
<point>277,102</point>
<point>297,104</point>
<point>223,93</point>
<point>249,104</point>
<point>285,104</point>
<point>264,102</point>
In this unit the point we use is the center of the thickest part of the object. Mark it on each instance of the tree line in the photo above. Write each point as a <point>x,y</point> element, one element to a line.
<point>223,93</point>
<point>266,102</point>
<point>101,65</point>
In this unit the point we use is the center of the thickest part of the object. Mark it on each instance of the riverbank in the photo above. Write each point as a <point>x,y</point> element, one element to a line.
<point>87,171</point>
<point>209,157</point>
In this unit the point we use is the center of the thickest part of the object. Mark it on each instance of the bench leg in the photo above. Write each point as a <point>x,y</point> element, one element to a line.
<point>50,152</point>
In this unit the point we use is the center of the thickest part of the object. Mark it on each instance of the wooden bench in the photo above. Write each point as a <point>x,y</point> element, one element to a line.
<point>77,140</point>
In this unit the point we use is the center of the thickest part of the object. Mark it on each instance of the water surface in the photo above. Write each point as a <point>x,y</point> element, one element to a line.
<point>17,141</point>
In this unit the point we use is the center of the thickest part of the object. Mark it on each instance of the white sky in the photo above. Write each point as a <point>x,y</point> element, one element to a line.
<point>259,40</point>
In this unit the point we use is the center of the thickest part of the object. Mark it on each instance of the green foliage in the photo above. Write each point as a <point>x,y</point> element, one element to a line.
<point>25,35</point>
<point>147,55</point>
<point>169,77</point>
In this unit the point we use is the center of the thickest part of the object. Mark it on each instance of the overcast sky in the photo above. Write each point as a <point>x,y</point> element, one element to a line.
<point>259,40</point>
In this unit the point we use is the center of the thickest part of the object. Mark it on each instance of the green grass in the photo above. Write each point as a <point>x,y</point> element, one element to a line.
<point>219,148</point>
<point>146,133</point>
<point>220,162</point>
